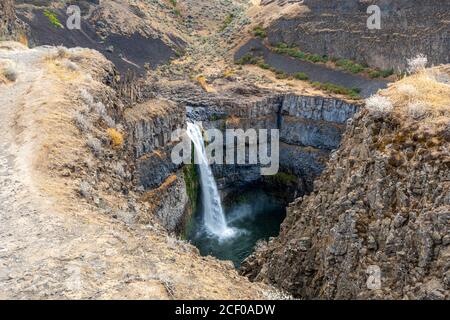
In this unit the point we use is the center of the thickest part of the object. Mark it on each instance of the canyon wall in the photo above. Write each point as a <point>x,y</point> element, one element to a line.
<point>10,27</point>
<point>310,128</point>
<point>381,204</point>
<point>339,29</point>
<point>163,184</point>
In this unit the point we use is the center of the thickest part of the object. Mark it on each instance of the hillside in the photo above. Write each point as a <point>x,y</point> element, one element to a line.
<point>383,201</point>
<point>93,206</point>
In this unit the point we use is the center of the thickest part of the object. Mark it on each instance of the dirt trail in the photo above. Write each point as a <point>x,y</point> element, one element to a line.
<point>50,254</point>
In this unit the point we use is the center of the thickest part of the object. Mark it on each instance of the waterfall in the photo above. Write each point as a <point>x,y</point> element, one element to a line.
<point>213,216</point>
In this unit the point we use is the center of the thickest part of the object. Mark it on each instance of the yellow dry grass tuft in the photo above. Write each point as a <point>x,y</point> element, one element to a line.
<point>23,39</point>
<point>116,137</point>
<point>228,73</point>
<point>422,89</point>
<point>201,79</point>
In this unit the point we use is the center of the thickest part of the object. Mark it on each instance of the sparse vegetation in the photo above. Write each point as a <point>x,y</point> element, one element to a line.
<point>82,122</point>
<point>53,18</point>
<point>85,189</point>
<point>116,137</point>
<point>228,73</point>
<point>350,66</point>
<point>422,96</point>
<point>417,109</point>
<point>201,79</point>
<point>10,74</point>
<point>86,97</point>
<point>95,145</point>
<point>108,120</point>
<point>337,89</point>
<point>408,91</point>
<point>283,179</point>
<point>417,64</point>
<point>119,170</point>
<point>259,32</point>
<point>301,76</point>
<point>279,74</point>
<point>99,108</point>
<point>71,66</point>
<point>228,20</point>
<point>379,105</point>
<point>344,64</point>
<point>283,48</point>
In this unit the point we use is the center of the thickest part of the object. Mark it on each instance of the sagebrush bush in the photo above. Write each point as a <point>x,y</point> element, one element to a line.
<point>417,64</point>
<point>82,122</point>
<point>95,145</point>
<point>86,97</point>
<point>380,105</point>
<point>108,120</point>
<point>408,90</point>
<point>85,189</point>
<point>10,74</point>
<point>99,108</point>
<point>417,109</point>
<point>119,170</point>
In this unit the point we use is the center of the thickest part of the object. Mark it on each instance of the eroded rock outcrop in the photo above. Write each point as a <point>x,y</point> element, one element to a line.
<point>151,125</point>
<point>383,202</point>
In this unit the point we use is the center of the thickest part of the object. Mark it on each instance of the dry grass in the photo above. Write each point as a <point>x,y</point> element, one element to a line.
<point>202,81</point>
<point>116,137</point>
<point>379,105</point>
<point>422,92</point>
<point>417,64</point>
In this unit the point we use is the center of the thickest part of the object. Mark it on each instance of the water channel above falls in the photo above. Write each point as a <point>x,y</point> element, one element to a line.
<point>253,215</point>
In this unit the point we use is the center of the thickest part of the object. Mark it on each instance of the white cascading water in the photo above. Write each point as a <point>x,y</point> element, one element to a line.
<point>213,215</point>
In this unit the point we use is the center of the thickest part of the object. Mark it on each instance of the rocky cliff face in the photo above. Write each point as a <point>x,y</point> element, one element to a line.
<point>382,204</point>
<point>10,27</point>
<point>150,128</point>
<point>310,127</point>
<point>338,29</point>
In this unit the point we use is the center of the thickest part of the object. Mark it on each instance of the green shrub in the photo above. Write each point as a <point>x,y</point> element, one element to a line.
<point>387,73</point>
<point>228,19</point>
<point>337,89</point>
<point>282,45</point>
<point>264,65</point>
<point>259,32</point>
<point>246,59</point>
<point>53,18</point>
<point>375,74</point>
<point>281,74</point>
<point>301,76</point>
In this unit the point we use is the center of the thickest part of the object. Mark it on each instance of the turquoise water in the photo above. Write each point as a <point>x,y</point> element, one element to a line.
<point>254,215</point>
